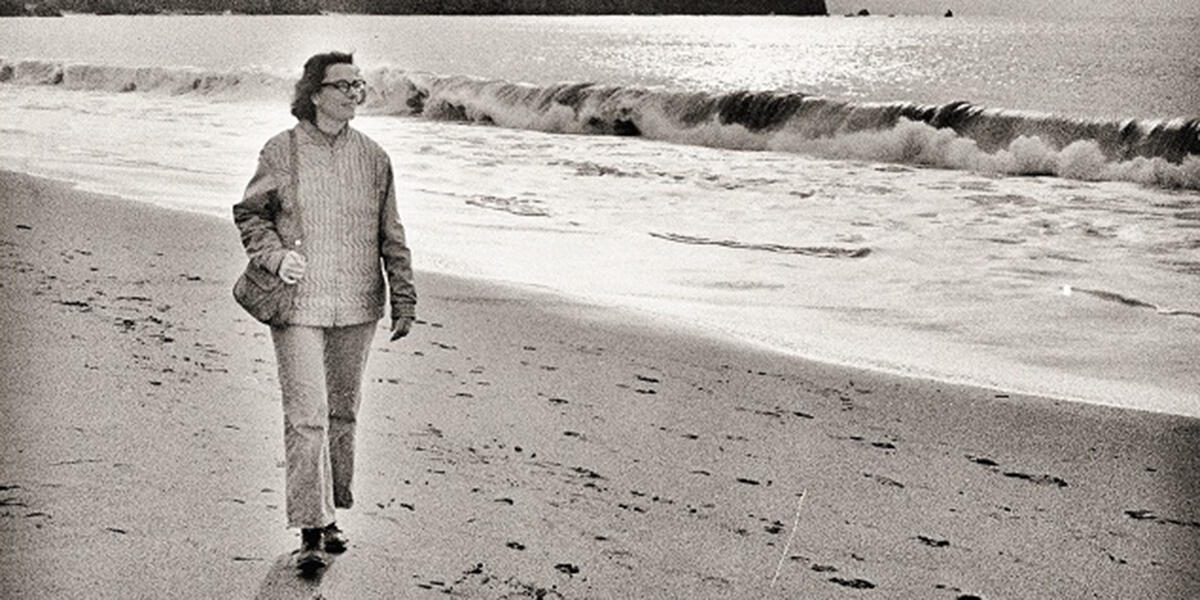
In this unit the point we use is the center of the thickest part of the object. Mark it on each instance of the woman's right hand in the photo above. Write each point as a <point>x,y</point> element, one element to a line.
<point>291,268</point>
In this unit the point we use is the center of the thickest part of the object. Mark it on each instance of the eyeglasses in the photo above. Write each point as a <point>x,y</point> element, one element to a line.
<point>357,87</point>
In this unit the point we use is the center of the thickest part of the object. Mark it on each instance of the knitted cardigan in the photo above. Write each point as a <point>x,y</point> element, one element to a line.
<point>348,223</point>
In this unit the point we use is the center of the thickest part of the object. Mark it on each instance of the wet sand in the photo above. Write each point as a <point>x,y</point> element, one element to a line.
<point>521,445</point>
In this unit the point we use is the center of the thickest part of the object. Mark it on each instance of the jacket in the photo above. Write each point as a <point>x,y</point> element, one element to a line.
<point>344,220</point>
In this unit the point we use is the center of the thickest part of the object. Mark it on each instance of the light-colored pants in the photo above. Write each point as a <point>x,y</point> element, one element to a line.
<point>320,374</point>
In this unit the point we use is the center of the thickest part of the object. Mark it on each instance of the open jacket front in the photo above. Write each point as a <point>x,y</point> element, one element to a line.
<point>343,218</point>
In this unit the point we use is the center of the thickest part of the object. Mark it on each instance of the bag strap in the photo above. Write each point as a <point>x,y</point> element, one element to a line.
<point>296,189</point>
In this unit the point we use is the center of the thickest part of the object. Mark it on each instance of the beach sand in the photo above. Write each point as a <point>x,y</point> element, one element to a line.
<point>519,445</point>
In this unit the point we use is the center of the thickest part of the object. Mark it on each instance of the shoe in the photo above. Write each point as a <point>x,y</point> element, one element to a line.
<point>336,541</point>
<point>310,559</point>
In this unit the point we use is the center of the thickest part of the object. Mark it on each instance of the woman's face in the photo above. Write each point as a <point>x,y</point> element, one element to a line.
<point>331,102</point>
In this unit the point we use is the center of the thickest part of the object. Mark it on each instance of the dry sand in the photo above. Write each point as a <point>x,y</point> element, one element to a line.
<point>519,445</point>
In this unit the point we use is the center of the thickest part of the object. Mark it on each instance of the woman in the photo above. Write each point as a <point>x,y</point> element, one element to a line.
<point>339,205</point>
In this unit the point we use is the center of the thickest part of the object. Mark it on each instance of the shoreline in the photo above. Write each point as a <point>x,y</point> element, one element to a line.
<point>1086,389</point>
<point>519,441</point>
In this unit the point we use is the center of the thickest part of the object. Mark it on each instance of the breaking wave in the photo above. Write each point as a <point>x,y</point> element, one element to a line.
<point>958,135</point>
<point>170,80</point>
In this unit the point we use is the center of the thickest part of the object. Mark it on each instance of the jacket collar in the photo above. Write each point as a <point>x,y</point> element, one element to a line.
<point>313,135</point>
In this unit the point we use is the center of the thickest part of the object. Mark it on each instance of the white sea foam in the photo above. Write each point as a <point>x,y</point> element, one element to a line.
<point>742,120</point>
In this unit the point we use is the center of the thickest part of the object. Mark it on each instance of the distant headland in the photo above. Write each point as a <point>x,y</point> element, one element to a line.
<point>417,7</point>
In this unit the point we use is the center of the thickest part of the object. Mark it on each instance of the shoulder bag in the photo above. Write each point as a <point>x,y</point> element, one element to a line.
<point>262,293</point>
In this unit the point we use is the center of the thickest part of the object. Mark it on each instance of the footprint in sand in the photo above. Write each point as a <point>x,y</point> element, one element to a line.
<point>884,480</point>
<point>932,542</point>
<point>1146,515</point>
<point>880,445</point>
<point>643,379</point>
<point>1045,479</point>
<point>567,568</point>
<point>982,460</point>
<point>773,528</point>
<point>858,584</point>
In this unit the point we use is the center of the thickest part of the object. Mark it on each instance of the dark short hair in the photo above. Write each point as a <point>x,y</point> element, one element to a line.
<point>310,82</point>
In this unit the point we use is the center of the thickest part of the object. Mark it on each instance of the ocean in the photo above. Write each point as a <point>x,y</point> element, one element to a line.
<point>1004,199</point>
